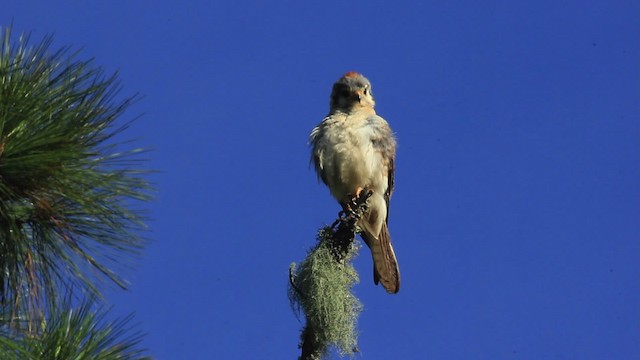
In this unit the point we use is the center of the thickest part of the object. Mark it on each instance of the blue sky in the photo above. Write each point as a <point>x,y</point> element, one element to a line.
<point>515,215</point>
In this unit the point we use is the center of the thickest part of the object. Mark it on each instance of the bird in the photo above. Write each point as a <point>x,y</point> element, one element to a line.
<point>353,150</point>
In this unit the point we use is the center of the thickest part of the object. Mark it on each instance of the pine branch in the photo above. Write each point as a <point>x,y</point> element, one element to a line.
<point>67,188</point>
<point>322,288</point>
<point>73,332</point>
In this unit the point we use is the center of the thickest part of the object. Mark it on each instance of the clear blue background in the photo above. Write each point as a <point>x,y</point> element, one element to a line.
<point>517,205</point>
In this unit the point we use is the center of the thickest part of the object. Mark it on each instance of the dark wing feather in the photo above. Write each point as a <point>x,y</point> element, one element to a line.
<point>384,141</point>
<point>317,149</point>
<point>391,180</point>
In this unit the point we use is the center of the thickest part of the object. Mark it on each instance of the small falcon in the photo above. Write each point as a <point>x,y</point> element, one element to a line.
<point>353,149</point>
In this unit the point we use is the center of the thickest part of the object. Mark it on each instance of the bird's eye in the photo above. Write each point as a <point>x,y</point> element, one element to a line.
<point>366,90</point>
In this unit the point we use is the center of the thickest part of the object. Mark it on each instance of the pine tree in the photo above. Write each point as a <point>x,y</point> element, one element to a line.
<point>68,197</point>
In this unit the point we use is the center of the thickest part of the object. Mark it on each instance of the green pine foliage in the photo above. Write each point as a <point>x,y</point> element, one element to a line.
<point>68,197</point>
<point>321,287</point>
<point>66,187</point>
<point>80,333</point>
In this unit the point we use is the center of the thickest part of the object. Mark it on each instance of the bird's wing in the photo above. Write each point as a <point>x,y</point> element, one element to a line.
<point>385,143</point>
<point>318,148</point>
<point>391,182</point>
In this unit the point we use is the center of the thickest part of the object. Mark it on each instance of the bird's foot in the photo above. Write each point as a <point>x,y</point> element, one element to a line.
<point>358,204</point>
<point>354,207</point>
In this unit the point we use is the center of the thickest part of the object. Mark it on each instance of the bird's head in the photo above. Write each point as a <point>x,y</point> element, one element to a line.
<point>352,90</point>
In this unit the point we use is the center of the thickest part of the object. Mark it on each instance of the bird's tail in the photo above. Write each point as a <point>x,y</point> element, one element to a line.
<point>385,264</point>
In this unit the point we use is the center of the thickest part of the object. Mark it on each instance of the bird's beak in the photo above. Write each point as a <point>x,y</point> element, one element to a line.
<point>360,94</point>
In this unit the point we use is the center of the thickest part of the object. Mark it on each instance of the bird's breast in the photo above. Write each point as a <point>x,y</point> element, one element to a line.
<point>350,160</point>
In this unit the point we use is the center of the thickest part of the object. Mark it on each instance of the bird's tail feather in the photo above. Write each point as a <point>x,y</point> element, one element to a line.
<point>385,264</point>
